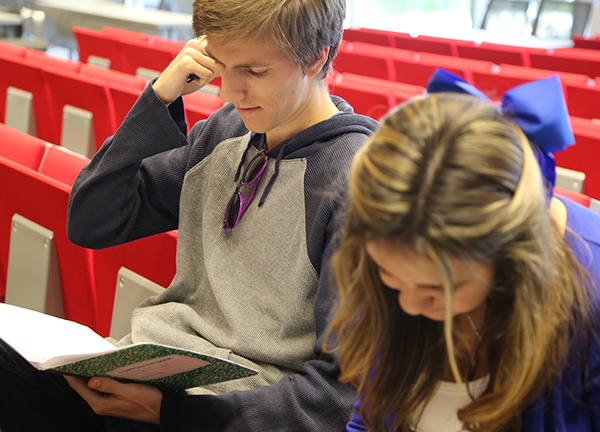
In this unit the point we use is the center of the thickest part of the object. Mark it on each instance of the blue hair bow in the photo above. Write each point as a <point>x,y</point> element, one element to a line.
<point>538,107</point>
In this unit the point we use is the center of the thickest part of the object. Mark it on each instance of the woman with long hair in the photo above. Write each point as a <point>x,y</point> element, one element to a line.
<point>467,294</point>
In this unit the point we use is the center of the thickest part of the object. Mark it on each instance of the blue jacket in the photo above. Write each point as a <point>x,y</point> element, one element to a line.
<point>573,405</point>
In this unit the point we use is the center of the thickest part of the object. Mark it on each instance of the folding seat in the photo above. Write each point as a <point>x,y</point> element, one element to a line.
<point>444,61</point>
<point>49,60</point>
<point>86,110</point>
<point>20,147</point>
<point>12,49</point>
<point>113,76</point>
<point>152,258</point>
<point>200,106</point>
<point>196,113</point>
<point>144,60</point>
<point>494,53</point>
<point>124,88</point>
<point>584,155</point>
<point>392,86</point>
<point>495,82</point>
<point>425,44</point>
<point>583,100</point>
<point>98,48</point>
<point>24,86</point>
<point>175,46</point>
<point>62,164</point>
<point>375,65</point>
<point>43,201</point>
<point>370,36</point>
<point>203,99</point>
<point>586,62</point>
<point>580,41</point>
<point>419,71</point>
<point>366,100</point>
<point>583,199</point>
<point>119,33</point>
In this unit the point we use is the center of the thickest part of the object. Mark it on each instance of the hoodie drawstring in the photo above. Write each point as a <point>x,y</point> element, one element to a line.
<point>273,177</point>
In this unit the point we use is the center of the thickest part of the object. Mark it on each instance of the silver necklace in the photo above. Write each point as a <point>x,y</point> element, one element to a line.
<point>477,340</point>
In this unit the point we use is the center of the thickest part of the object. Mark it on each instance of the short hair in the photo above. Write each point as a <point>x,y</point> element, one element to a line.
<point>300,28</point>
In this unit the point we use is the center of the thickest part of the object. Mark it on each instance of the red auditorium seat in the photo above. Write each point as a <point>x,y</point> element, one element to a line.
<point>21,148</point>
<point>123,99</point>
<point>52,61</point>
<point>44,201</point>
<point>28,76</point>
<point>199,106</point>
<point>375,65</point>
<point>418,71</point>
<point>123,34</point>
<point>580,41</point>
<point>174,46</point>
<point>425,44</point>
<point>86,93</point>
<point>584,155</point>
<point>496,81</point>
<point>12,49</point>
<point>366,100</point>
<point>113,76</point>
<point>579,198</point>
<point>62,165</point>
<point>494,53</point>
<point>370,36</point>
<point>139,54</point>
<point>152,257</point>
<point>573,60</point>
<point>97,44</point>
<point>583,100</point>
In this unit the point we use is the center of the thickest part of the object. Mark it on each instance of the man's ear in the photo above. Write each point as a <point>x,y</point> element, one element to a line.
<point>316,67</point>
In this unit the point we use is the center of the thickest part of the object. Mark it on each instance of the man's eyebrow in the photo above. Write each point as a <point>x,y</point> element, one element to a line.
<point>252,65</point>
<point>208,53</point>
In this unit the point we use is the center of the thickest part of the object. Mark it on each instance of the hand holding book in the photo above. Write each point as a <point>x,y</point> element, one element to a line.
<point>62,346</point>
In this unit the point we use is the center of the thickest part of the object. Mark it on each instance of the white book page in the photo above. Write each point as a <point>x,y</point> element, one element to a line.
<point>39,337</point>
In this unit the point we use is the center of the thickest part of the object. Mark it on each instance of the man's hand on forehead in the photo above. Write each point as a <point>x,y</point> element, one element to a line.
<point>191,70</point>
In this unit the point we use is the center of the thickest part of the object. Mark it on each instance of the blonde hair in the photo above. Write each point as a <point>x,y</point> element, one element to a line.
<point>450,177</point>
<point>300,28</point>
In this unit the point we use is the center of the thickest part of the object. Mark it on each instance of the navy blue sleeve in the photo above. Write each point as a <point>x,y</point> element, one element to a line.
<point>131,187</point>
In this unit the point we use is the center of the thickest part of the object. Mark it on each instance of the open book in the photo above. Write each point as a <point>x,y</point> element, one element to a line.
<point>66,347</point>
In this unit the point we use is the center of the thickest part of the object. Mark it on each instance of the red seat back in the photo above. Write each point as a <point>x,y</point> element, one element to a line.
<point>123,34</point>
<point>12,49</point>
<point>53,61</point>
<point>62,165</point>
<point>21,148</point>
<point>86,93</point>
<point>28,76</point>
<point>44,201</point>
<point>138,54</point>
<point>151,257</point>
<point>123,99</point>
<point>94,43</point>
<point>584,155</point>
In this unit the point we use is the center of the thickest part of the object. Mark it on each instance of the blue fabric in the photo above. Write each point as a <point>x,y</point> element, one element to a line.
<point>562,409</point>
<point>538,107</point>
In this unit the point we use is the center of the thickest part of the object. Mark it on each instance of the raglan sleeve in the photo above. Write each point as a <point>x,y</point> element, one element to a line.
<point>313,401</point>
<point>131,187</point>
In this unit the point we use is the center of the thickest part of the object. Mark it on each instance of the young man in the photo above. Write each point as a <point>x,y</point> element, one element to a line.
<point>252,282</point>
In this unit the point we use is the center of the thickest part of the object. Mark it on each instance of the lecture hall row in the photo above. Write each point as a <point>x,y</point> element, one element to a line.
<point>52,98</point>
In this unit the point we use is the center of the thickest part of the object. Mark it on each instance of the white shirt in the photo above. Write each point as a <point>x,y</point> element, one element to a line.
<point>440,413</point>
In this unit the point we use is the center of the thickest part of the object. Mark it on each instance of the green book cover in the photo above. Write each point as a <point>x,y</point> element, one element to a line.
<point>161,366</point>
<point>62,346</point>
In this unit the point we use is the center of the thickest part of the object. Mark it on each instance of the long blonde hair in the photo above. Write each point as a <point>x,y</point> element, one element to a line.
<point>450,177</point>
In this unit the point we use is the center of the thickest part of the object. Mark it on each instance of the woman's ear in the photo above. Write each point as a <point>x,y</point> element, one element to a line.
<point>316,67</point>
